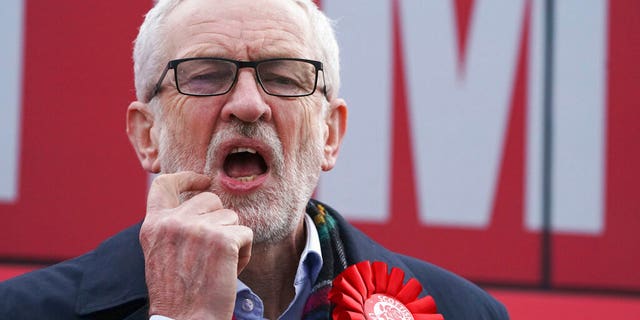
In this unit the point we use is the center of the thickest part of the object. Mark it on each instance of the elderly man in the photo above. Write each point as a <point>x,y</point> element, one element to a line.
<point>238,110</point>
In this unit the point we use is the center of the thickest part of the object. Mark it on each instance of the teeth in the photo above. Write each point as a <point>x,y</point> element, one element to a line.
<point>246,179</point>
<point>242,149</point>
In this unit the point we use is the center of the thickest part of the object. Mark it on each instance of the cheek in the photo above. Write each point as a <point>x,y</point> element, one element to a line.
<point>191,124</point>
<point>299,125</point>
<point>312,123</point>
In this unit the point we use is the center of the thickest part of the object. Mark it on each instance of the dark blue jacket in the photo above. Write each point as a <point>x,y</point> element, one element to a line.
<point>109,283</point>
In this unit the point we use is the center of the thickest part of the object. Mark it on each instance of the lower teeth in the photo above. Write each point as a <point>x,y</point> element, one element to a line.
<point>246,179</point>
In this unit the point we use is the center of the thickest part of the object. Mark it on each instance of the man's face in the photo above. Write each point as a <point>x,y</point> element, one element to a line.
<point>263,153</point>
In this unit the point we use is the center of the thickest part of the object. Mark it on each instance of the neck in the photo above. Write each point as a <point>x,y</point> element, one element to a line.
<point>272,269</point>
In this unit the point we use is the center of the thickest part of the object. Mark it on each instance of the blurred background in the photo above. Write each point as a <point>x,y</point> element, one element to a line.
<point>499,139</point>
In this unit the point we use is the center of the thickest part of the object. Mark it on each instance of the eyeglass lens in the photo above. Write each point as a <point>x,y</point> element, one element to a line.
<point>277,77</point>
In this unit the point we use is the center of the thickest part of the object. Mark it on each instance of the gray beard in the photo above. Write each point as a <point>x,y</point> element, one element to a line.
<point>274,212</point>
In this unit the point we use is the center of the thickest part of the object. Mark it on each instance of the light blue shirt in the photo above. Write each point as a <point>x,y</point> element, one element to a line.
<point>250,307</point>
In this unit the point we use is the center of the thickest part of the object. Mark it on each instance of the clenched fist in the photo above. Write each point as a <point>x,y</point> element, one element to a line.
<point>193,251</point>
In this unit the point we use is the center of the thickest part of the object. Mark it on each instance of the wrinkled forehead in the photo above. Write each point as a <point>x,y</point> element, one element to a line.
<point>239,29</point>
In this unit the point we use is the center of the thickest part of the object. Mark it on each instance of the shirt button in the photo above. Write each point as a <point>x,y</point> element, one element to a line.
<point>247,305</point>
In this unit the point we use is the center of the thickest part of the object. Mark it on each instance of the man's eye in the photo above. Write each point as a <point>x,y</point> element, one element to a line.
<point>209,76</point>
<point>283,81</point>
<point>205,82</point>
<point>277,80</point>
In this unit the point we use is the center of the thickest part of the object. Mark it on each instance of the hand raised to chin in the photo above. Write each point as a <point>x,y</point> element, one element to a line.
<point>193,251</point>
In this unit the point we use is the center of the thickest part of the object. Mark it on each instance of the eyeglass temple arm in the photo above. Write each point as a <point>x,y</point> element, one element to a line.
<point>158,85</point>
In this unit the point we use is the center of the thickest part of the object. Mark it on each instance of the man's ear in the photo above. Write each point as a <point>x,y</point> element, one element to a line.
<point>336,122</point>
<point>143,135</point>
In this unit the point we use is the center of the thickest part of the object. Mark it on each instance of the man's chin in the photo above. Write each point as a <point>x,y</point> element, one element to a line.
<point>271,217</point>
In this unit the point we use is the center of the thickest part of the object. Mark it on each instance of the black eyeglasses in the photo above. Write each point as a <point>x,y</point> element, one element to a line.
<point>282,77</point>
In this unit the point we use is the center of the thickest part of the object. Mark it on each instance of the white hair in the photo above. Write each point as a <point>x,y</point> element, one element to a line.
<point>150,55</point>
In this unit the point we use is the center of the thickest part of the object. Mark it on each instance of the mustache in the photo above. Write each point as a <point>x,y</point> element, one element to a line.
<point>250,130</point>
<point>254,130</point>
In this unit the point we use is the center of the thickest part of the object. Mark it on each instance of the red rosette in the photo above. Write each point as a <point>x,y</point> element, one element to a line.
<point>365,291</point>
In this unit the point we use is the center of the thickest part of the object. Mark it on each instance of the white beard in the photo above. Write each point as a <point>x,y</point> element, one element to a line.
<point>272,212</point>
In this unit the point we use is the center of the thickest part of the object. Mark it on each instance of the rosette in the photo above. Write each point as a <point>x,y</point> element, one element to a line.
<point>365,291</point>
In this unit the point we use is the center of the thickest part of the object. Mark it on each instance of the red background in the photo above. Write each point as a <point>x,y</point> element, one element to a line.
<point>80,182</point>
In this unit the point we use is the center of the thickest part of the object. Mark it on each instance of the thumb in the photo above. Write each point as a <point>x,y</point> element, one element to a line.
<point>165,190</point>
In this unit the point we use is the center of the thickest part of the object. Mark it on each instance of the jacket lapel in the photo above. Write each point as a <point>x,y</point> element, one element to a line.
<point>359,247</point>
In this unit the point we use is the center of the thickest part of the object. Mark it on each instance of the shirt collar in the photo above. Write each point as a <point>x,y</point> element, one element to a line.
<point>310,259</point>
<point>311,256</point>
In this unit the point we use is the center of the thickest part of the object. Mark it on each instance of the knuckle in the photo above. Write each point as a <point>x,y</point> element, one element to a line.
<point>248,231</point>
<point>221,241</point>
<point>161,180</point>
<point>205,199</point>
<point>172,224</point>
<point>167,227</point>
<point>236,218</point>
<point>162,183</point>
<point>230,216</point>
<point>210,197</point>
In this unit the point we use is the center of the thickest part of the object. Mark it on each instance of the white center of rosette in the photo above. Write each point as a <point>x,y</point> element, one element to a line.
<point>384,307</point>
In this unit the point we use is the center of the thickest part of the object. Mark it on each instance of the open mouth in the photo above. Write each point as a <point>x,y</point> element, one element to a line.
<point>244,164</point>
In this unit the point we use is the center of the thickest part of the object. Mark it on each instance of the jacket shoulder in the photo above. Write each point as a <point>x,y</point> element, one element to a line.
<point>68,290</point>
<point>456,297</point>
<point>45,293</point>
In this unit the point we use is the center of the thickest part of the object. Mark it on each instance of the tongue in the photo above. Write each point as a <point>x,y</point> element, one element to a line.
<point>244,164</point>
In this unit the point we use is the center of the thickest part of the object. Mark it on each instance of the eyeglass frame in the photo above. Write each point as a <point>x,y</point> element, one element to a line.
<point>173,64</point>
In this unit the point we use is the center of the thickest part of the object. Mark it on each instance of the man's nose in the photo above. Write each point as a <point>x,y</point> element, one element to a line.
<point>246,100</point>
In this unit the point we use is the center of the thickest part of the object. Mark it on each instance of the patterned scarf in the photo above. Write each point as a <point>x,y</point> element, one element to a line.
<point>334,262</point>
